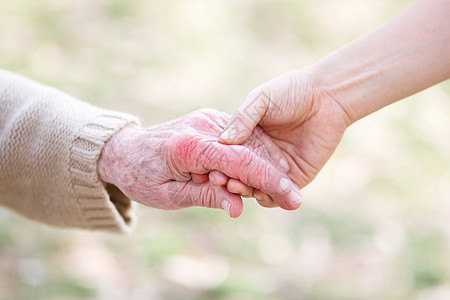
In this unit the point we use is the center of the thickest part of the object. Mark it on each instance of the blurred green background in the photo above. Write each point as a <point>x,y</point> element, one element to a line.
<point>374,224</point>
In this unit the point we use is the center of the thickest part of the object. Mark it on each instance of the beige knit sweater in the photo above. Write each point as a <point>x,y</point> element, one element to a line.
<point>49,147</point>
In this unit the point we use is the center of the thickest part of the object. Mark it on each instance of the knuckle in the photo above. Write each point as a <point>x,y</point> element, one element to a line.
<point>268,177</point>
<point>210,156</point>
<point>206,196</point>
<point>207,120</point>
<point>247,161</point>
<point>183,148</point>
<point>199,116</point>
<point>209,111</point>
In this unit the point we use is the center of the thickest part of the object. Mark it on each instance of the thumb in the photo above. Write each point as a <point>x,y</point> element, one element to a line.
<point>246,117</point>
<point>186,194</point>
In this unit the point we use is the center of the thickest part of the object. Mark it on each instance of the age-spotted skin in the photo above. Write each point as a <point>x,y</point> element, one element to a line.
<point>157,166</point>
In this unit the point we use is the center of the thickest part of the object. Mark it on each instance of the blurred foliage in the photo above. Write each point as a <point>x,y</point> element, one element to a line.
<point>374,224</point>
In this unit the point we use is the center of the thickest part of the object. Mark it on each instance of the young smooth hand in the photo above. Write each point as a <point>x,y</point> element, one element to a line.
<point>305,123</point>
<point>306,112</point>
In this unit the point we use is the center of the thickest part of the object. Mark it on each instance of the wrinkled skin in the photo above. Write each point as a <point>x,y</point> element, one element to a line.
<point>167,166</point>
<point>305,122</point>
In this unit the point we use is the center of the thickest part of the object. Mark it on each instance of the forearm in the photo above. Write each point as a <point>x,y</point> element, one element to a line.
<point>400,58</point>
<point>49,146</point>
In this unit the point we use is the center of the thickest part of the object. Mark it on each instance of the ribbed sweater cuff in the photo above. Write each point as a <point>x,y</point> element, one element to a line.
<point>103,206</point>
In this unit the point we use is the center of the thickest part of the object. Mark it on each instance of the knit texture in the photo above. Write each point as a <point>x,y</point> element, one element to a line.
<point>49,147</point>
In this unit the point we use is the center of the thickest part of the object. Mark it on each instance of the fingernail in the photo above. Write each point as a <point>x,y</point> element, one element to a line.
<point>258,196</point>
<point>296,196</point>
<point>284,164</point>
<point>229,134</point>
<point>226,206</point>
<point>285,185</point>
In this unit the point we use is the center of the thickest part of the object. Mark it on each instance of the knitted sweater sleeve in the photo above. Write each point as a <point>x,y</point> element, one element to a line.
<point>49,147</point>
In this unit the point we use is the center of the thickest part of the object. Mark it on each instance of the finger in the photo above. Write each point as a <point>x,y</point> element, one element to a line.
<point>237,187</point>
<point>187,194</point>
<point>246,117</point>
<point>264,199</point>
<point>199,178</point>
<point>240,163</point>
<point>217,178</point>
<point>265,147</point>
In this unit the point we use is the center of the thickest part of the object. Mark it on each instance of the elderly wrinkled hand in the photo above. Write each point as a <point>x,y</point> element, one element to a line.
<point>168,166</point>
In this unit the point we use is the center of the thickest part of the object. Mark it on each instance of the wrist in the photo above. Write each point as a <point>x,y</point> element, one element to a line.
<point>394,61</point>
<point>325,87</point>
<point>358,88</point>
<point>112,154</point>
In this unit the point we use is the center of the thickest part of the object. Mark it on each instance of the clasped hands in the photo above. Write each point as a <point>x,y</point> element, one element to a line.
<point>209,159</point>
